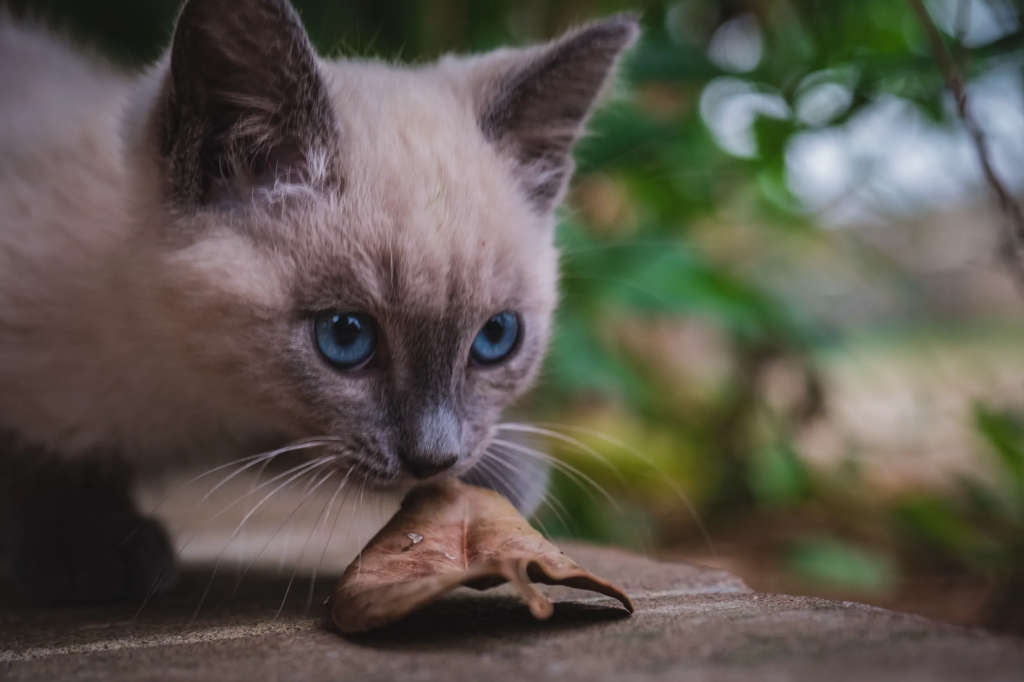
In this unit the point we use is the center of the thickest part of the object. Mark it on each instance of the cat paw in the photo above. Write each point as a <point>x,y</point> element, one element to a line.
<point>95,560</point>
<point>70,532</point>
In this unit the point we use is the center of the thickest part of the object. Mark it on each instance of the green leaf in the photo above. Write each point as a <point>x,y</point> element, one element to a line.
<point>937,523</point>
<point>778,475</point>
<point>1004,434</point>
<point>839,564</point>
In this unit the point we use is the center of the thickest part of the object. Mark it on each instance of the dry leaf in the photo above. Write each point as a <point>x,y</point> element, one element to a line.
<point>446,535</point>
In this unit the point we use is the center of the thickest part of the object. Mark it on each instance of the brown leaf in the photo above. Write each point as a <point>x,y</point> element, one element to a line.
<point>446,535</point>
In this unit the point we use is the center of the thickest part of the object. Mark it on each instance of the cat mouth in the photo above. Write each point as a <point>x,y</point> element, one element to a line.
<point>379,479</point>
<point>400,480</point>
<point>373,471</point>
<point>371,477</point>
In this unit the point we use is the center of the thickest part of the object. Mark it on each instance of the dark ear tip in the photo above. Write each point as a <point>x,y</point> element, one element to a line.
<point>623,28</point>
<point>610,36</point>
<point>199,11</point>
<point>629,21</point>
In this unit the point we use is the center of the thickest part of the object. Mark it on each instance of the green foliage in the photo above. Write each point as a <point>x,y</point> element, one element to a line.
<point>1004,434</point>
<point>943,526</point>
<point>779,476</point>
<point>838,564</point>
<point>981,527</point>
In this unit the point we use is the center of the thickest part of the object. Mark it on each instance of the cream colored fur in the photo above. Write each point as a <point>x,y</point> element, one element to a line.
<point>129,327</point>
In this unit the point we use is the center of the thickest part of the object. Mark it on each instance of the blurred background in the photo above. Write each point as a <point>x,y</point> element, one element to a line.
<point>787,344</point>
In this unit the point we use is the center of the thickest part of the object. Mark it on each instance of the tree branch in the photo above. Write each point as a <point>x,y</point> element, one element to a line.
<point>1011,249</point>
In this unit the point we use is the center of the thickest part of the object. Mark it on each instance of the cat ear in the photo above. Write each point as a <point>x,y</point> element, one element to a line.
<point>245,112</point>
<point>535,102</point>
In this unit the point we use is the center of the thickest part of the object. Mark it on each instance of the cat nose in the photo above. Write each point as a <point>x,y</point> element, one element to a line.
<point>434,444</point>
<point>423,465</point>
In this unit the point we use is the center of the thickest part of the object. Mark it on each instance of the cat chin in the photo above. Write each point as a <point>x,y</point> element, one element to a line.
<point>402,482</point>
<point>377,482</point>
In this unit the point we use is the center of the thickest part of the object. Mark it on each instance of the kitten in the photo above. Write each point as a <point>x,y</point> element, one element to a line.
<point>249,244</point>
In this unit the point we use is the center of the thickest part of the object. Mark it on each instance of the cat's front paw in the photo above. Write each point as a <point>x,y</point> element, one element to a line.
<point>70,532</point>
<point>94,560</point>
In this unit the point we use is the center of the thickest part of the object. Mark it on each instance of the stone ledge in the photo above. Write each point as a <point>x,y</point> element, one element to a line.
<point>691,623</point>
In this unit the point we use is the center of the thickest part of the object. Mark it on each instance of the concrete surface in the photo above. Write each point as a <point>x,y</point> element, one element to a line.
<point>691,624</point>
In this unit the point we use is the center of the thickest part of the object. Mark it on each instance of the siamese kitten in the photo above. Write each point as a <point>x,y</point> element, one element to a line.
<point>248,245</point>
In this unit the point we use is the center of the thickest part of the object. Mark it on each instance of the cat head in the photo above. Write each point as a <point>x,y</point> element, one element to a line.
<point>359,250</point>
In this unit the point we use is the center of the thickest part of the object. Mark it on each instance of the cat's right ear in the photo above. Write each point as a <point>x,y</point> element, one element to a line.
<point>245,115</point>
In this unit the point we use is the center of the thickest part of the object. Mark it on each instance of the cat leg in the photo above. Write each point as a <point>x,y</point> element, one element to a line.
<point>70,532</point>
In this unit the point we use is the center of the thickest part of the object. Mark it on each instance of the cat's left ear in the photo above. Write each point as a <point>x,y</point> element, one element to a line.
<point>245,115</point>
<point>533,103</point>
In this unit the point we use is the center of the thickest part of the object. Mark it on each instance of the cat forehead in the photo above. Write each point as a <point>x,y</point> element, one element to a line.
<point>429,216</point>
<point>390,257</point>
<point>412,139</point>
<point>429,220</point>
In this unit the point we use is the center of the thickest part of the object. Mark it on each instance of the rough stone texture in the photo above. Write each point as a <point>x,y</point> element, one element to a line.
<point>691,624</point>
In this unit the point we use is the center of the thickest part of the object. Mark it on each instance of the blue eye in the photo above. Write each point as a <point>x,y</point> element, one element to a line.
<point>347,340</point>
<point>496,340</point>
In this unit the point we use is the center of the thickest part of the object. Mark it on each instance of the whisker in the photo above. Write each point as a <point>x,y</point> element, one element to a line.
<point>492,456</point>
<point>306,493</point>
<point>241,460</point>
<point>286,553</point>
<point>258,456</point>
<point>255,487</point>
<point>304,445</point>
<point>552,502</point>
<point>359,532</point>
<point>303,466</point>
<point>312,531</point>
<point>337,514</point>
<point>352,516</point>
<point>535,519</point>
<point>259,473</point>
<point>564,517</point>
<point>495,479</point>
<point>526,428</point>
<point>566,468</point>
<point>220,555</point>
<point>583,447</point>
<point>169,561</point>
<point>664,477</point>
